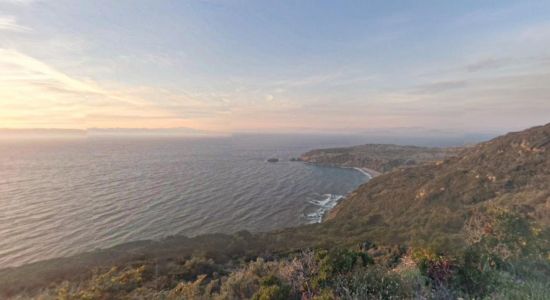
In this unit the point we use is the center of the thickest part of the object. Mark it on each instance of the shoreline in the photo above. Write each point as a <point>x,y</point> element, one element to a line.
<point>370,173</point>
<point>364,172</point>
<point>324,211</point>
<point>327,212</point>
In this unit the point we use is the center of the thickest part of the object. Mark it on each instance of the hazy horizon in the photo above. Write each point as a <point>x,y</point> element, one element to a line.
<point>414,131</point>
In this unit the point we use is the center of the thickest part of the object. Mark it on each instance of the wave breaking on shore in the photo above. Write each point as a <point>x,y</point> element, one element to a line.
<point>322,207</point>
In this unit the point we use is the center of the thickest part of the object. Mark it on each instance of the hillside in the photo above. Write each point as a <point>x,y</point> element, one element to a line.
<point>378,157</point>
<point>434,200</point>
<point>406,211</point>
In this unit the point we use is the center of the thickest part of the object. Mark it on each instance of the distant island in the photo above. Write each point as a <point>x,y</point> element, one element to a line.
<point>438,223</point>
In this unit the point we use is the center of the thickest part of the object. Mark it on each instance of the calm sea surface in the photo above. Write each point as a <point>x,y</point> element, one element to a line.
<point>62,197</point>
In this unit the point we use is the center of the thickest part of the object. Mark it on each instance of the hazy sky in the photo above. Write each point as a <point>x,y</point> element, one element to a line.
<point>232,65</point>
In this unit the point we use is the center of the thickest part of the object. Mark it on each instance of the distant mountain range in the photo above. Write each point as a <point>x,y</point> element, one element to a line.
<point>37,132</point>
<point>104,132</point>
<point>182,131</point>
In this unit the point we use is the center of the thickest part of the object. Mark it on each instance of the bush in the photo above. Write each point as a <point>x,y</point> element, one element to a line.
<point>189,290</point>
<point>372,283</point>
<point>196,266</point>
<point>337,262</point>
<point>436,266</point>
<point>504,237</point>
<point>474,277</point>
<point>245,282</point>
<point>272,289</point>
<point>108,285</point>
<point>531,289</point>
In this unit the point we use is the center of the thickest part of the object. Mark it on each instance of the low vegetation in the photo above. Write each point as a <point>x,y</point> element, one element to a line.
<point>507,257</point>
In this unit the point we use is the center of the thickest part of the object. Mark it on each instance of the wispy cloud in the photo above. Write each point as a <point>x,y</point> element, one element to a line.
<point>32,92</point>
<point>9,23</point>
<point>488,63</point>
<point>441,86</point>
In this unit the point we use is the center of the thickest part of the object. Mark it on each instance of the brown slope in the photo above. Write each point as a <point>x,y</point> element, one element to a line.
<point>432,201</point>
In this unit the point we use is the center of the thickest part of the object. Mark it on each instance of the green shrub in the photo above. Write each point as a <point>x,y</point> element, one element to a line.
<point>196,266</point>
<point>531,289</point>
<point>336,262</point>
<point>107,285</point>
<point>474,276</point>
<point>189,290</point>
<point>245,282</point>
<point>506,249</point>
<point>372,283</point>
<point>272,289</point>
<point>434,265</point>
<point>504,237</point>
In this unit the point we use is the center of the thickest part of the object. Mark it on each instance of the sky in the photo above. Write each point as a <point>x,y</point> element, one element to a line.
<point>275,66</point>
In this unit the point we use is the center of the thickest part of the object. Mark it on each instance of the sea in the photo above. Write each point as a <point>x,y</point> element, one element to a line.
<point>63,196</point>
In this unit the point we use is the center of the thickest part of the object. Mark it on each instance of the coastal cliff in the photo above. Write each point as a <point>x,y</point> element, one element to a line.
<point>380,158</point>
<point>433,201</point>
